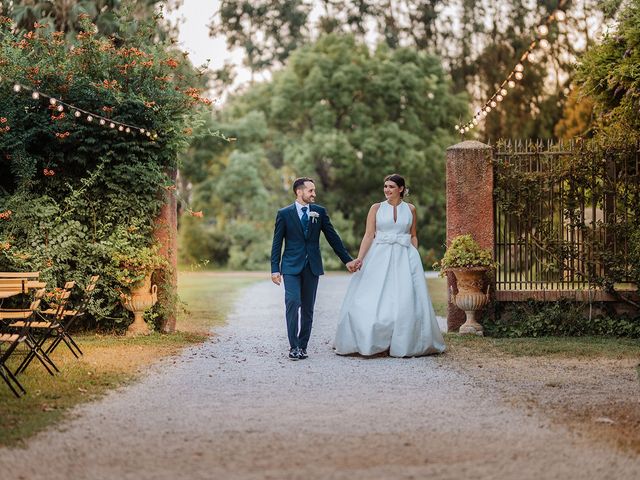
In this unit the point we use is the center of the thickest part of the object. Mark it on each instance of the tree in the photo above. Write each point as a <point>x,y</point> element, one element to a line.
<point>66,16</point>
<point>347,117</point>
<point>609,74</point>
<point>478,41</point>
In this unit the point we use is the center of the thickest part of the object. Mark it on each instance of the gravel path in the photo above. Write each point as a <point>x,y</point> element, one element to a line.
<point>236,408</point>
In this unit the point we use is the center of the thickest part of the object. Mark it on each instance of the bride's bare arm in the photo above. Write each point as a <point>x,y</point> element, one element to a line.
<point>370,232</point>
<point>414,235</point>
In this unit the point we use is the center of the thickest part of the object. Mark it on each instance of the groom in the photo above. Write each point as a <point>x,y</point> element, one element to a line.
<point>299,225</point>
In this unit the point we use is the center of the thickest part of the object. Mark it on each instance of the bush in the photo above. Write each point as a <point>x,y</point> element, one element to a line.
<point>560,319</point>
<point>74,194</point>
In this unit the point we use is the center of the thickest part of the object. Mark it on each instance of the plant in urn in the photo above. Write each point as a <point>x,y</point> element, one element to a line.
<point>470,264</point>
<point>135,270</point>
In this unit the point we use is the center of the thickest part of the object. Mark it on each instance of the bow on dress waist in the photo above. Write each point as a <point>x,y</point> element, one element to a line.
<point>403,239</point>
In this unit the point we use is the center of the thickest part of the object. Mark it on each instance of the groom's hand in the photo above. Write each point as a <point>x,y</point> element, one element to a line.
<point>275,278</point>
<point>352,266</point>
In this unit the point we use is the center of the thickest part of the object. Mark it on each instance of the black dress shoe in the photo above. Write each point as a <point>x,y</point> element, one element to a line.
<point>294,354</point>
<point>303,353</point>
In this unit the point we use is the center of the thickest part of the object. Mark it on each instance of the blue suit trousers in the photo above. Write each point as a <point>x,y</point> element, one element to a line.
<point>299,298</point>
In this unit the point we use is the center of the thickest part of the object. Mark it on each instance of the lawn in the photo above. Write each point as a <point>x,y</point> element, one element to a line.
<point>438,292</point>
<point>111,361</point>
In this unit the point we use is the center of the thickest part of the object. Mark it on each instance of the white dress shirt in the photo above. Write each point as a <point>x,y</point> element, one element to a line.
<point>299,209</point>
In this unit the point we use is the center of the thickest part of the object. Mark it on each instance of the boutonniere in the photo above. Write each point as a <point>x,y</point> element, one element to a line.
<point>314,216</point>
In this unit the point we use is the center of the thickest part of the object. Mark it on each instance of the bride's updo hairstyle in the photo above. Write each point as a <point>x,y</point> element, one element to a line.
<point>399,181</point>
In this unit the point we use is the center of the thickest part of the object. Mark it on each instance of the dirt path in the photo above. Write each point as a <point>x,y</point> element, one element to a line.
<point>236,408</point>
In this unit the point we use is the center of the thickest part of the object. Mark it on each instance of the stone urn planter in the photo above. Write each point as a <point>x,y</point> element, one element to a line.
<point>470,296</point>
<point>140,299</point>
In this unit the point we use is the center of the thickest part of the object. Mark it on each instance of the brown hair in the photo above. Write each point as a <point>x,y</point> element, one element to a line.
<point>299,183</point>
<point>399,181</point>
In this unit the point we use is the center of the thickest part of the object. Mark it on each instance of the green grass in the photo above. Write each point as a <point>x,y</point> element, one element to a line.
<point>438,292</point>
<point>110,361</point>
<point>569,347</point>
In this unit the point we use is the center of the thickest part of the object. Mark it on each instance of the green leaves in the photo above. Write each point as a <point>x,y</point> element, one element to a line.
<point>345,116</point>
<point>84,198</point>
<point>464,252</point>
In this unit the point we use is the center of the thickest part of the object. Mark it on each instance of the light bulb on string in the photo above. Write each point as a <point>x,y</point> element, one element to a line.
<point>560,16</point>
<point>128,130</point>
<point>35,95</point>
<point>519,68</point>
<point>142,130</point>
<point>89,118</point>
<point>519,75</point>
<point>77,114</point>
<point>488,109</point>
<point>499,98</point>
<point>544,43</point>
<point>493,104</point>
<point>17,88</point>
<point>121,128</point>
<point>511,83</point>
<point>112,125</point>
<point>457,127</point>
<point>503,92</point>
<point>60,108</point>
<point>543,30</point>
<point>102,121</point>
<point>532,57</point>
<point>53,101</point>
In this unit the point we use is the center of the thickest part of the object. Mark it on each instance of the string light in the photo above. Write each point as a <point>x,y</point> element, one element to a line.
<point>79,112</point>
<point>517,73</point>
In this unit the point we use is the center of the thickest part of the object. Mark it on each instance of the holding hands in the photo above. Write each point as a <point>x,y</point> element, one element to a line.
<point>354,265</point>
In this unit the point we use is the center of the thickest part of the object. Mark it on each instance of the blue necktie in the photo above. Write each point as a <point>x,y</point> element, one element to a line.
<point>305,221</point>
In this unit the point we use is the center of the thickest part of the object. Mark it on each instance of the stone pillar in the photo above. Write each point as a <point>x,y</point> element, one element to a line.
<point>166,234</point>
<point>469,205</point>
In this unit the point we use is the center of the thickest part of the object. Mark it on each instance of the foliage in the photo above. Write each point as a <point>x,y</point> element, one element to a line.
<point>465,252</point>
<point>562,318</point>
<point>609,74</point>
<point>576,208</point>
<point>80,194</point>
<point>132,263</point>
<point>577,117</point>
<point>341,114</point>
<point>479,43</point>
<point>67,17</point>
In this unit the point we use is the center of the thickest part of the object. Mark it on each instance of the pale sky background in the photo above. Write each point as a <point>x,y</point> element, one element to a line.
<point>194,16</point>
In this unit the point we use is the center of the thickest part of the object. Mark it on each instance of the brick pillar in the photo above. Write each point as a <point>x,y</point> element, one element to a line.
<point>469,205</point>
<point>166,234</point>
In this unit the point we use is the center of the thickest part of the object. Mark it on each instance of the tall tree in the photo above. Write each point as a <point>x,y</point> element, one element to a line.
<point>480,41</point>
<point>347,117</point>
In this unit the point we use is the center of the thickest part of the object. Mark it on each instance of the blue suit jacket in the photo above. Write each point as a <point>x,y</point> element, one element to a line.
<point>297,248</point>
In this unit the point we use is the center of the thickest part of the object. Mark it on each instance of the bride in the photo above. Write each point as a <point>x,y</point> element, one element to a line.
<point>387,305</point>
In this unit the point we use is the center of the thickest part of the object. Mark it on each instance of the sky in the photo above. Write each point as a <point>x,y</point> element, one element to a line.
<point>194,17</point>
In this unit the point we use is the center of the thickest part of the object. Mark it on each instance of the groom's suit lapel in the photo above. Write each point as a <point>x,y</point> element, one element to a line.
<point>312,223</point>
<point>293,212</point>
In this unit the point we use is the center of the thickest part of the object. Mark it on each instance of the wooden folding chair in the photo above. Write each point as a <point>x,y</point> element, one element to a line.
<point>42,329</point>
<point>11,340</point>
<point>70,317</point>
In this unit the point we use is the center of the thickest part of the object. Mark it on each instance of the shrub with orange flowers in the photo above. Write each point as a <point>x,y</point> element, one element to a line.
<point>76,198</point>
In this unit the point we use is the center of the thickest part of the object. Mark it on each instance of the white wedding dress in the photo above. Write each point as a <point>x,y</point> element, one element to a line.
<point>387,305</point>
